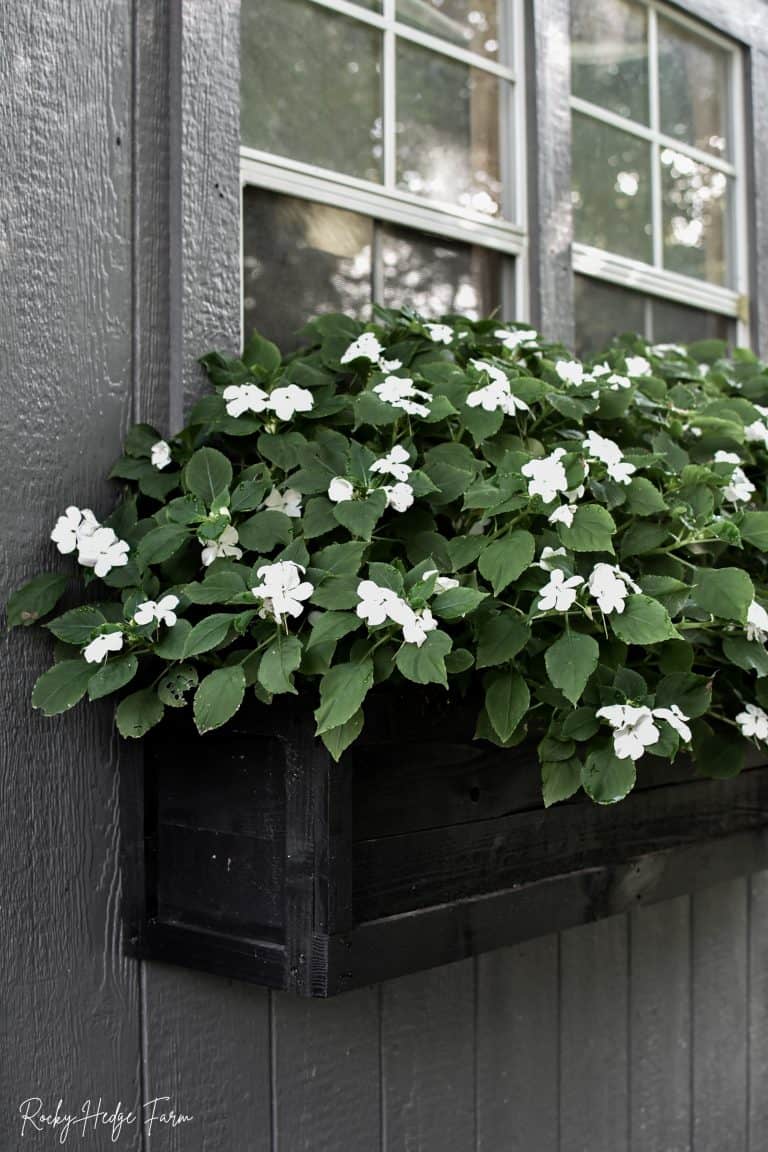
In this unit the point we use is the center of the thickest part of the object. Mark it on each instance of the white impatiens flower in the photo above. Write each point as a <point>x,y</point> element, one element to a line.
<point>340,489</point>
<point>395,463</point>
<point>497,394</point>
<point>599,370</point>
<point>560,593</point>
<point>225,545</point>
<point>400,392</point>
<point>375,602</point>
<point>637,366</point>
<point>753,722</point>
<point>163,611</point>
<point>757,433</point>
<point>160,455</point>
<point>633,729</point>
<point>389,365</point>
<point>757,623</point>
<point>285,402</point>
<point>548,556</point>
<point>600,448</point>
<point>287,502</point>
<point>439,333</point>
<point>563,515</point>
<point>101,646</point>
<point>416,625</point>
<point>668,349</point>
<point>399,496</point>
<point>514,340</point>
<point>570,371</point>
<point>69,528</point>
<point>442,583</point>
<point>102,551</point>
<point>739,489</point>
<point>610,587</point>
<point>676,719</point>
<point>546,477</point>
<point>241,398</point>
<point>722,457</point>
<point>366,347</point>
<point>617,381</point>
<point>282,589</point>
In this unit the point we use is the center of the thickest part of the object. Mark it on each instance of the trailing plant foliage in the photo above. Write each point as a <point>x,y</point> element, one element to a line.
<point>455,503</point>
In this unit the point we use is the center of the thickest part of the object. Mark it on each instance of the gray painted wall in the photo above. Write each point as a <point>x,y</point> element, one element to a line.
<point>118,264</point>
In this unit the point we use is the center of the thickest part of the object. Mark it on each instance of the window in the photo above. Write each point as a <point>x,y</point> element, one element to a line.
<point>658,173</point>
<point>382,158</point>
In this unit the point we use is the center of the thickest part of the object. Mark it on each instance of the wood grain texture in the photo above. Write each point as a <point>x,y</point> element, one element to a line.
<point>758,1013</point>
<point>70,1024</point>
<point>594,1038</point>
<point>719,1018</point>
<point>207,1049</point>
<point>326,1072</point>
<point>660,1028</point>
<point>427,1061</point>
<point>518,1040</point>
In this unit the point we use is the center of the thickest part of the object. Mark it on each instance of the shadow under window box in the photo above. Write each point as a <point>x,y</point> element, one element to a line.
<point>251,854</point>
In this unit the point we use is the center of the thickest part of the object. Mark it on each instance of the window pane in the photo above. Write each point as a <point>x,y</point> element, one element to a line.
<point>677,324</point>
<point>604,311</point>
<point>694,208</point>
<point>310,86</point>
<point>471,24</point>
<point>611,189</point>
<point>609,54</point>
<point>447,130</point>
<point>435,276</point>
<point>300,259</point>
<point>693,85</point>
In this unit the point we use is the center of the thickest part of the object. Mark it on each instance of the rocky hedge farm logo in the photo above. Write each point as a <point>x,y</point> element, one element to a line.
<point>97,1119</point>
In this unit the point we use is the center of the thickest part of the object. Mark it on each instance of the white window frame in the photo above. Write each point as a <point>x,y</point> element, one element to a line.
<point>387,203</point>
<point>653,279</point>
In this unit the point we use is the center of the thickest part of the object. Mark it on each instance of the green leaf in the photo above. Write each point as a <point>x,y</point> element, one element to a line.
<point>336,592</point>
<point>746,654</point>
<point>500,639</point>
<point>342,691</point>
<point>581,724</point>
<point>332,626</point>
<point>248,495</point>
<point>725,592</point>
<point>141,439</point>
<point>560,779</point>
<point>208,473</point>
<point>171,645</point>
<point>644,498</point>
<point>61,687</point>
<point>111,676</point>
<point>78,625</point>
<point>218,587</point>
<point>605,778</point>
<point>138,713</point>
<point>161,543</point>
<point>505,560</point>
<point>218,697</point>
<point>259,353</point>
<point>642,538</point>
<point>337,740</point>
<point>459,660</point>
<point>339,559</point>
<point>360,517</point>
<point>457,603</point>
<point>317,518</point>
<point>570,662</point>
<point>264,531</point>
<point>643,621</point>
<point>591,530</point>
<point>279,662</point>
<point>507,700</point>
<point>692,694</point>
<point>465,550</point>
<point>754,529</point>
<point>208,634</point>
<point>425,665</point>
<point>716,753</point>
<point>35,599</point>
<point>175,683</point>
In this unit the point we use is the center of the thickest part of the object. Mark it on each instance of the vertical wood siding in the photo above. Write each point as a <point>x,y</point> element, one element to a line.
<point>119,244</point>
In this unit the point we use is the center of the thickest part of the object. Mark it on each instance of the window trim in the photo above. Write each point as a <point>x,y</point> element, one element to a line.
<point>392,205</point>
<point>652,278</point>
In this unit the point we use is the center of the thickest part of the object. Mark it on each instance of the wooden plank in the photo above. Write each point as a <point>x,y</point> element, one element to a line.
<point>518,1048</point>
<point>207,1049</point>
<point>427,1061</point>
<point>594,1038</point>
<point>719,1033</point>
<point>758,1013</point>
<point>65,360</point>
<point>660,1023</point>
<point>326,1072</point>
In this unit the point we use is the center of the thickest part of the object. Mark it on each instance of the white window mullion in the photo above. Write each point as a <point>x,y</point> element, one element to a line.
<point>389,96</point>
<point>657,221</point>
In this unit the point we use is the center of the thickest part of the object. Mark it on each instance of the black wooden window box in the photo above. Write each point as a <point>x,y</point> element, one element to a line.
<point>249,853</point>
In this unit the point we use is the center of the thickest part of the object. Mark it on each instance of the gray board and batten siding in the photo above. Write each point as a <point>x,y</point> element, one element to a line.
<point>119,262</point>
